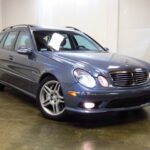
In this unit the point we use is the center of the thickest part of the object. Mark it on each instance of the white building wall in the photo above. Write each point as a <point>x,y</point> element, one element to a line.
<point>19,12</point>
<point>134,28</point>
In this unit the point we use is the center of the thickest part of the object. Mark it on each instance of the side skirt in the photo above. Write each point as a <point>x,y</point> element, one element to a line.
<point>19,89</point>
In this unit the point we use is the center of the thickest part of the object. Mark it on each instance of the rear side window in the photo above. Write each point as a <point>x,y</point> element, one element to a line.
<point>1,36</point>
<point>1,39</point>
<point>23,41</point>
<point>10,40</point>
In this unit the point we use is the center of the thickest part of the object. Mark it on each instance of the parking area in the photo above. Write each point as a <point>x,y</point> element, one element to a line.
<point>23,127</point>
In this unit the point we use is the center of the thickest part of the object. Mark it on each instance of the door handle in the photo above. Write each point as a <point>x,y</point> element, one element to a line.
<point>11,57</point>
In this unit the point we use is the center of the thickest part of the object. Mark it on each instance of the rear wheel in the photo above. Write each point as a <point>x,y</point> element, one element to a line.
<point>2,87</point>
<point>50,99</point>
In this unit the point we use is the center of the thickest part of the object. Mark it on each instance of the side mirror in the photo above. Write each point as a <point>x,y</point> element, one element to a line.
<point>106,49</point>
<point>25,51</point>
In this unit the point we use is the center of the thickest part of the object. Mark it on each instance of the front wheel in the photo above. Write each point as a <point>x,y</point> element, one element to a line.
<point>50,99</point>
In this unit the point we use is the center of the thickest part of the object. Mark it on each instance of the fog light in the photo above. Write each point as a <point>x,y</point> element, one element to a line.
<point>89,105</point>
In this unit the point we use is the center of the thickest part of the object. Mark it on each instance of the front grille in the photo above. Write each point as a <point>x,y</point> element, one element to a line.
<point>129,78</point>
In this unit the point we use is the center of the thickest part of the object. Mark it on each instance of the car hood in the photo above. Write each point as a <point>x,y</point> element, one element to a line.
<point>98,61</point>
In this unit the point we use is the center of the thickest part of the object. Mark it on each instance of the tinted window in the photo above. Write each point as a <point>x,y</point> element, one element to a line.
<point>9,43</point>
<point>1,39</point>
<point>66,44</point>
<point>65,41</point>
<point>84,43</point>
<point>46,40</point>
<point>23,41</point>
<point>1,36</point>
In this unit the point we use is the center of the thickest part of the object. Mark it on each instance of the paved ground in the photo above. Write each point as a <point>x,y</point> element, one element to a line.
<point>23,128</point>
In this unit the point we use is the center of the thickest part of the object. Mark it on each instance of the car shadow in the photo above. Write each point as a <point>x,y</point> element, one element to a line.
<point>21,96</point>
<point>108,119</point>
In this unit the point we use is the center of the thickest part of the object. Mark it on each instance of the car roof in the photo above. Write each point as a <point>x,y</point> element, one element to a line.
<point>41,28</point>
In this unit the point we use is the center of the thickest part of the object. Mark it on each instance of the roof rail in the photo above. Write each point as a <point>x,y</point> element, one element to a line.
<point>72,28</point>
<point>15,26</point>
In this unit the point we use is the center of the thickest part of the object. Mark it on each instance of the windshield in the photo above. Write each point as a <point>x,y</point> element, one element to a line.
<point>65,41</point>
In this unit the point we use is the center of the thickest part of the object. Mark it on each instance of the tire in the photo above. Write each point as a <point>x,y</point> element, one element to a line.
<point>50,99</point>
<point>2,87</point>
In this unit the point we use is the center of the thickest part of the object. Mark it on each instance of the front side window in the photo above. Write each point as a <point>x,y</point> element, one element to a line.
<point>10,40</point>
<point>64,41</point>
<point>23,41</point>
<point>47,40</point>
<point>83,43</point>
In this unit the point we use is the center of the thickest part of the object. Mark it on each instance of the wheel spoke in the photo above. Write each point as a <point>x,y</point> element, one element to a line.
<point>47,89</point>
<point>60,97</point>
<point>47,102</point>
<point>57,87</point>
<point>54,109</point>
<point>57,107</point>
<point>60,101</point>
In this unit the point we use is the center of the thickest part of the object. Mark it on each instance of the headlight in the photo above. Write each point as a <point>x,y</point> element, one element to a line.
<point>84,78</point>
<point>103,81</point>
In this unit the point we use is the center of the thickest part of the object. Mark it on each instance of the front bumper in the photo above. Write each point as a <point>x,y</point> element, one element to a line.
<point>108,99</point>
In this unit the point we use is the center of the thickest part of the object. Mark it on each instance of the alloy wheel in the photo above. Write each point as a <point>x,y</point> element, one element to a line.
<point>51,98</point>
